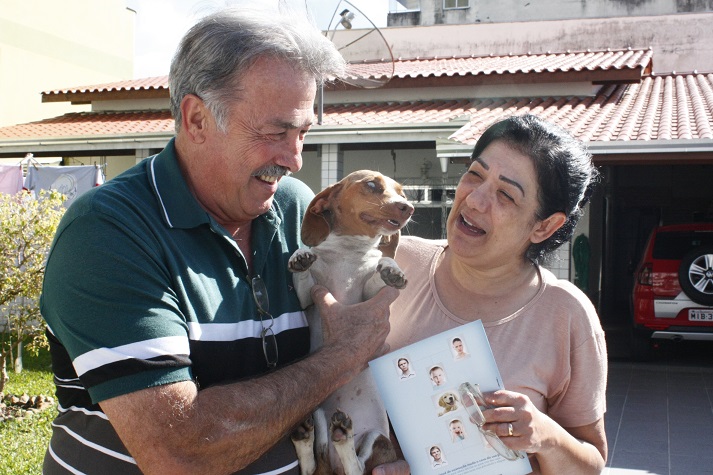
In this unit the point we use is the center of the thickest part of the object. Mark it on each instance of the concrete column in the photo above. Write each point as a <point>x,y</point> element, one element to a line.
<point>332,164</point>
<point>141,153</point>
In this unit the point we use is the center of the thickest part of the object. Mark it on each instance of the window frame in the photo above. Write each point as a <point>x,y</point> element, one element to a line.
<point>456,6</point>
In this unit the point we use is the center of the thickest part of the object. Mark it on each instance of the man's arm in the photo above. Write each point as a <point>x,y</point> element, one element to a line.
<point>177,429</point>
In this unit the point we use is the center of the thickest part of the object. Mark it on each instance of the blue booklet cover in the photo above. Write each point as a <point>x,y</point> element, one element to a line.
<point>431,392</point>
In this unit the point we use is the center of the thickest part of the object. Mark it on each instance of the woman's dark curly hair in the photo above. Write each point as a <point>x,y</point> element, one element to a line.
<point>565,174</point>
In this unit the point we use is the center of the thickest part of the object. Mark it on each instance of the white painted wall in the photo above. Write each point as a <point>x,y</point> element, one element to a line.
<point>504,11</point>
<point>49,44</point>
<point>681,42</point>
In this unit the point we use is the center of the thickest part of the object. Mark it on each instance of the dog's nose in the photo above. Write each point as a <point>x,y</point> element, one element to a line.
<point>405,208</point>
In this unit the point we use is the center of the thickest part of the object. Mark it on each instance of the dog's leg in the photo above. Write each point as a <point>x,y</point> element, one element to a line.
<point>299,264</point>
<point>388,273</point>
<point>321,443</point>
<point>303,439</point>
<point>374,448</point>
<point>311,441</point>
<point>343,439</point>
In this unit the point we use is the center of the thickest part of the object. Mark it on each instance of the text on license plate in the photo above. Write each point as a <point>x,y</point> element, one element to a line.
<point>697,315</point>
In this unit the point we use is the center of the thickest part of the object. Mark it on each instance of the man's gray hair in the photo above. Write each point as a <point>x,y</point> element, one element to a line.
<point>214,55</point>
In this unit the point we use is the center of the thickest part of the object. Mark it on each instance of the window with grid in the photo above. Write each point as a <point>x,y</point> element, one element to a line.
<point>447,4</point>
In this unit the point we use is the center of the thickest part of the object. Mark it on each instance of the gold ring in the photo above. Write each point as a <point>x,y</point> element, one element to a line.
<point>509,429</point>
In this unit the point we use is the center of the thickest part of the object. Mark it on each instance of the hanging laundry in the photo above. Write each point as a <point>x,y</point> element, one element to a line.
<point>10,179</point>
<point>70,181</point>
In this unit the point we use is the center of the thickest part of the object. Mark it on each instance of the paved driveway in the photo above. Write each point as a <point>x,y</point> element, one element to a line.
<point>660,418</point>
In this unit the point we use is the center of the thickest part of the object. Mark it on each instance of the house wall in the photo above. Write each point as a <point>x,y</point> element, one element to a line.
<point>48,44</point>
<point>431,12</point>
<point>111,166</point>
<point>681,42</point>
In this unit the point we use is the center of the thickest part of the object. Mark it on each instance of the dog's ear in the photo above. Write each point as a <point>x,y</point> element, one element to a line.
<point>388,245</point>
<point>315,225</point>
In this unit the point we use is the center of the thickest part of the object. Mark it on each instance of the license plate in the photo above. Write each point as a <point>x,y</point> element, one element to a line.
<point>697,315</point>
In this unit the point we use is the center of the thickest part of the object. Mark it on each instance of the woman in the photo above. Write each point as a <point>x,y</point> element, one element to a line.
<point>519,200</point>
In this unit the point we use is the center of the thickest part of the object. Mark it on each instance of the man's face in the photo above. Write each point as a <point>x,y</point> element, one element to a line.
<point>436,453</point>
<point>266,127</point>
<point>458,345</point>
<point>403,364</point>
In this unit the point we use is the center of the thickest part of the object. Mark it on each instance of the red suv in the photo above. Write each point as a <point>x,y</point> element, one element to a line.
<point>673,291</point>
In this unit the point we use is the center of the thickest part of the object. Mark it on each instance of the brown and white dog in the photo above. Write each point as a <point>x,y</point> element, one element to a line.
<point>352,228</point>
<point>448,402</point>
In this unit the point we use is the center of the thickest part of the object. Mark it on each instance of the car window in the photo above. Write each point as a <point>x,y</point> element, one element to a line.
<point>675,245</point>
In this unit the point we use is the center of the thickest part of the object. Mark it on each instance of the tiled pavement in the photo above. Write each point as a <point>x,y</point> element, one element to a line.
<point>659,419</point>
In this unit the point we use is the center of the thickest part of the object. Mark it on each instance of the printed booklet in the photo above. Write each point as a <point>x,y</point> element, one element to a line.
<point>432,391</point>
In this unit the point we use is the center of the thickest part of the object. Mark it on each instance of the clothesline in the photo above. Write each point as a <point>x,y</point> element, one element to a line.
<point>69,180</point>
<point>30,158</point>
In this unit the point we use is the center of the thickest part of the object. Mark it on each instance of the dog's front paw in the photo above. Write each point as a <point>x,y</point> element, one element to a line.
<point>304,431</point>
<point>391,273</point>
<point>301,260</point>
<point>341,427</point>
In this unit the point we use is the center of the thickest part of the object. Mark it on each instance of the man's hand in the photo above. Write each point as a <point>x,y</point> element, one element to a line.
<point>360,329</point>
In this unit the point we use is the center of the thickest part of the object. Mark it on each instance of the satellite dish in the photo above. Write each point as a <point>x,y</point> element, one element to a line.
<point>370,61</point>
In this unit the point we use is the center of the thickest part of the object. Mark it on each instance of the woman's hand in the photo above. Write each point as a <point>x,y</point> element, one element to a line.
<point>516,420</point>
<point>521,426</point>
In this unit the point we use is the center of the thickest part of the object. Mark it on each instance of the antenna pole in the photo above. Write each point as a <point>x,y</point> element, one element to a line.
<point>320,103</point>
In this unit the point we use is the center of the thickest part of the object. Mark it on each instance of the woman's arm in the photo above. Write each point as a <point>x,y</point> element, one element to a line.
<point>558,450</point>
<point>579,450</point>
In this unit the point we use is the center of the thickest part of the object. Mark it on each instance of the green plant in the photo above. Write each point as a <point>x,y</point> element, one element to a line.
<point>27,227</point>
<point>23,443</point>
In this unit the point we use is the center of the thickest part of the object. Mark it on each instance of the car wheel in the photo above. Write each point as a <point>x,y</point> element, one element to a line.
<point>696,275</point>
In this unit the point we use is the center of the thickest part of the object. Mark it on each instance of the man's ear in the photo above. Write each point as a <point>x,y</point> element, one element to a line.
<point>547,227</point>
<point>195,118</point>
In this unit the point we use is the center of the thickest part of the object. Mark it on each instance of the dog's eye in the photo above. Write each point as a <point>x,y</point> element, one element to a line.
<point>373,186</point>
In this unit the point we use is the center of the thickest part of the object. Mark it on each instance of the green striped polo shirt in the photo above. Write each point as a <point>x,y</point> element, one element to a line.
<point>144,288</point>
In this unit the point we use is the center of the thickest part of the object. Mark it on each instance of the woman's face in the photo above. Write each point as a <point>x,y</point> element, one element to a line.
<point>493,217</point>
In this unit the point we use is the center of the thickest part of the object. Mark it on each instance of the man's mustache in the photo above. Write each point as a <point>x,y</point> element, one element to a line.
<point>273,170</point>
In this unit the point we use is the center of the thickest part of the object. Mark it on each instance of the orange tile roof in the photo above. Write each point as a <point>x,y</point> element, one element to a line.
<point>83,124</point>
<point>633,59</point>
<point>157,82</point>
<point>660,107</point>
<point>521,63</point>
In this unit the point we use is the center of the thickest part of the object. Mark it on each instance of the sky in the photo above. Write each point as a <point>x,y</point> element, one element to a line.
<point>160,24</point>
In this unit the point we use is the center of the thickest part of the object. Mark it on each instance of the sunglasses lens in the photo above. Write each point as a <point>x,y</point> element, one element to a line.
<point>471,406</point>
<point>269,342</point>
<point>269,347</point>
<point>497,444</point>
<point>260,294</point>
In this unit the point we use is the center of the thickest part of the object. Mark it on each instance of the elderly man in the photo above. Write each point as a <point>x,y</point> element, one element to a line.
<point>178,343</point>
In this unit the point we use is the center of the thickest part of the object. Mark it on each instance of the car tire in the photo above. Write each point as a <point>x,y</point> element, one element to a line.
<point>696,275</point>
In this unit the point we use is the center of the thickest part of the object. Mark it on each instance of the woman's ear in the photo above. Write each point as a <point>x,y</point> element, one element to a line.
<point>547,227</point>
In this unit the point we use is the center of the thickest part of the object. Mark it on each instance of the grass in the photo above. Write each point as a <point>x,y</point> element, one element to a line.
<point>23,443</point>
